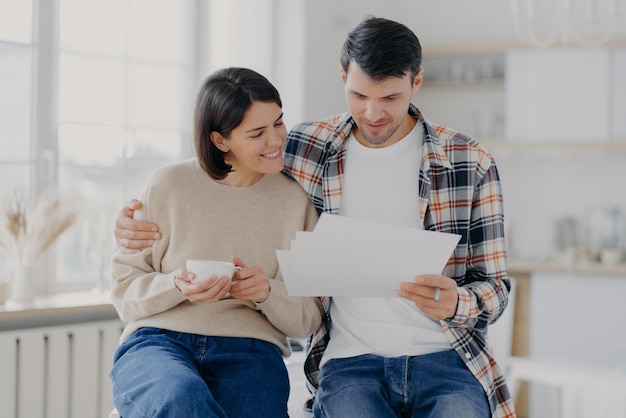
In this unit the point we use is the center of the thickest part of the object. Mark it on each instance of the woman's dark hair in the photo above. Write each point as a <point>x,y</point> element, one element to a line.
<point>382,48</point>
<point>222,102</point>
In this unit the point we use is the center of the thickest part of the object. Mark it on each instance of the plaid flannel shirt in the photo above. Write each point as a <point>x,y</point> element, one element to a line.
<point>460,193</point>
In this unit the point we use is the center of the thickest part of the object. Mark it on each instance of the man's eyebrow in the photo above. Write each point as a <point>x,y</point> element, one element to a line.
<point>394,94</point>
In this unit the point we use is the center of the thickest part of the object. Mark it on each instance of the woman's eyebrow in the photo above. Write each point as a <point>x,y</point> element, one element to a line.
<point>262,127</point>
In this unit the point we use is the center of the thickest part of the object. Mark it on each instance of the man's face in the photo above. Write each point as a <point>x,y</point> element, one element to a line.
<point>379,107</point>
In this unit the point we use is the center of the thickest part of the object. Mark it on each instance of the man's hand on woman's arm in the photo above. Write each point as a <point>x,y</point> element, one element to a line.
<point>133,236</point>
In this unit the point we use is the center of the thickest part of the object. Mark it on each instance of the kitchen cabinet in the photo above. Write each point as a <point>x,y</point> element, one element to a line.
<point>575,318</point>
<point>553,303</point>
<point>560,96</point>
<point>566,95</point>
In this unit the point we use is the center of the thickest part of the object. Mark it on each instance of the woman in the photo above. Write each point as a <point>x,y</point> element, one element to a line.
<point>214,348</point>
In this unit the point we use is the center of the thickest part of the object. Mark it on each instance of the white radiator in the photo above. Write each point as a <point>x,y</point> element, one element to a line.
<point>59,371</point>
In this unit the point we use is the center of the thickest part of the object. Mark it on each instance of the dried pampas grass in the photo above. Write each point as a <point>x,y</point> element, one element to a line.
<point>24,234</point>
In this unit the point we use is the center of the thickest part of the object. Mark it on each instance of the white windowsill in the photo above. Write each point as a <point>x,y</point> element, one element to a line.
<point>57,309</point>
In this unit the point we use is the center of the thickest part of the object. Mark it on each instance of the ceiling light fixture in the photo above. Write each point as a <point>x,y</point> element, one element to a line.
<point>583,22</point>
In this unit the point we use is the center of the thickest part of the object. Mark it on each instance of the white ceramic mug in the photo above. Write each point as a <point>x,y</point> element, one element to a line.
<point>204,269</point>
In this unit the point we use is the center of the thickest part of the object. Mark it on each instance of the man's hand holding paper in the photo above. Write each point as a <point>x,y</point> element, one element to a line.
<point>439,304</point>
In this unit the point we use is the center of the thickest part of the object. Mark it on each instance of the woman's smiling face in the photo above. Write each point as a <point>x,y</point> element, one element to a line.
<point>255,146</point>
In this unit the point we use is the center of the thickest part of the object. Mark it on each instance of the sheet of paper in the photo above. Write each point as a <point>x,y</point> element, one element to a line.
<point>297,283</point>
<point>348,257</point>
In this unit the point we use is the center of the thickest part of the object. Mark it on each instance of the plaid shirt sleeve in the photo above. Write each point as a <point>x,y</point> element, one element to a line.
<point>462,187</point>
<point>461,184</point>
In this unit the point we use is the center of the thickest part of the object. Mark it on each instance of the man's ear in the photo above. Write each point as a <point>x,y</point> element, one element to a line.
<point>218,141</point>
<point>344,76</point>
<point>419,78</point>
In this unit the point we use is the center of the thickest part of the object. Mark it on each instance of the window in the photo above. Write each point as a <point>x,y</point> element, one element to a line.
<point>16,60</point>
<point>125,105</point>
<point>16,52</point>
<point>115,82</point>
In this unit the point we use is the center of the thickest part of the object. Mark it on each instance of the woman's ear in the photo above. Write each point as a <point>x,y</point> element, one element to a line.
<point>218,141</point>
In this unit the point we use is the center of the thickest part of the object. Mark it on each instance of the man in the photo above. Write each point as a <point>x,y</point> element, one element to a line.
<point>423,354</point>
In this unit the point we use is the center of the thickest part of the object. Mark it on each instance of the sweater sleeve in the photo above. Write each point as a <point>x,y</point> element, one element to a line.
<point>139,289</point>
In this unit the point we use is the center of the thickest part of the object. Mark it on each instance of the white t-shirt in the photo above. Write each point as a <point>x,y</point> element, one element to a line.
<point>389,327</point>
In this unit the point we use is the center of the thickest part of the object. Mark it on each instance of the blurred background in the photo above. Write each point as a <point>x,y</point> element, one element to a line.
<point>94,95</point>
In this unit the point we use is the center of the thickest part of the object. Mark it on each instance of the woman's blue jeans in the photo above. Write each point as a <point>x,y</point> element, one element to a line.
<point>437,385</point>
<point>161,373</point>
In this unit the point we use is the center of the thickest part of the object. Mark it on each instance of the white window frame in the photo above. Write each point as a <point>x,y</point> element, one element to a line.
<point>44,125</point>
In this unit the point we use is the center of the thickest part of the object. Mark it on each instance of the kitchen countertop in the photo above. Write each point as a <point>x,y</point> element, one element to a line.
<point>527,267</point>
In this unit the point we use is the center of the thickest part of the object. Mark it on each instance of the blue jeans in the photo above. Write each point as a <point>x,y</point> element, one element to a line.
<point>161,373</point>
<point>437,385</point>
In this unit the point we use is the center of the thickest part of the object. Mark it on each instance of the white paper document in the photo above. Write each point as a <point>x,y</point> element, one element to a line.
<point>349,257</point>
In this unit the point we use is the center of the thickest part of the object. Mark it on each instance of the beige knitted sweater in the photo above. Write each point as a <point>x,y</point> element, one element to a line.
<point>200,218</point>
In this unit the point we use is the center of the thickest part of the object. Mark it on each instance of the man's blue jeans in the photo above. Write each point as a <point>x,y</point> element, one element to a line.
<point>437,385</point>
<point>161,373</point>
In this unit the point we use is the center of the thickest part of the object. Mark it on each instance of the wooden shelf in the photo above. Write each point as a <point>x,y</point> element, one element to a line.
<point>520,267</point>
<point>495,48</point>
<point>591,145</point>
<point>469,49</point>
<point>431,83</point>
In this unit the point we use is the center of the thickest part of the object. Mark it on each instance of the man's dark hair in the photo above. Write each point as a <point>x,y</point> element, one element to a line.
<point>382,48</point>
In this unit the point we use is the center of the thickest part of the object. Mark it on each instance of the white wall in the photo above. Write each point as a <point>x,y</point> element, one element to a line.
<point>541,186</point>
